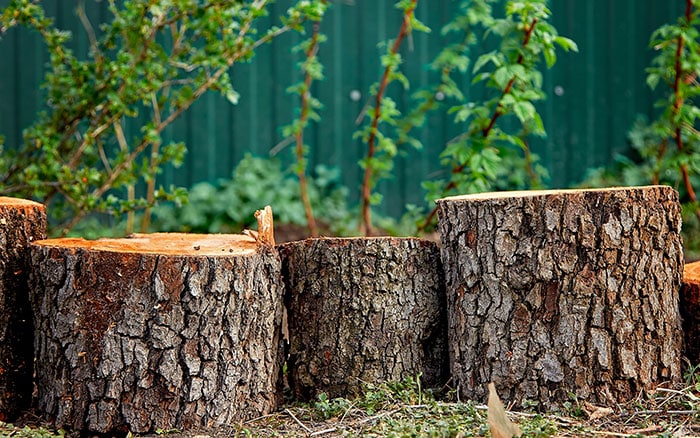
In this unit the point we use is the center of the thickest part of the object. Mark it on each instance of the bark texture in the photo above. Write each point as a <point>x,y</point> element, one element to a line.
<point>161,331</point>
<point>690,311</point>
<point>363,310</point>
<point>21,222</point>
<point>558,292</point>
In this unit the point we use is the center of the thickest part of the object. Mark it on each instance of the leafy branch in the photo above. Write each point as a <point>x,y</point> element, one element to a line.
<point>677,64</point>
<point>313,71</point>
<point>381,149</point>
<point>154,57</point>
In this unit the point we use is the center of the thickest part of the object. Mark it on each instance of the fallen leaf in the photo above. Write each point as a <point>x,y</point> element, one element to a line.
<point>596,412</point>
<point>501,426</point>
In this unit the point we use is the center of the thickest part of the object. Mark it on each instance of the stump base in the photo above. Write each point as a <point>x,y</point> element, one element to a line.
<point>363,310</point>
<point>561,292</point>
<point>21,222</point>
<point>156,331</point>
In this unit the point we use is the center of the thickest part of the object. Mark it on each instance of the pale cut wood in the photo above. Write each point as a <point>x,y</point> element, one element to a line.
<point>560,292</point>
<point>161,331</point>
<point>690,311</point>
<point>21,222</point>
<point>266,230</point>
<point>363,310</point>
<point>265,235</point>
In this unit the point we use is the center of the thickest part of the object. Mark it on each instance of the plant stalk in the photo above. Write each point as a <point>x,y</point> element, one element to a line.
<point>366,223</point>
<point>299,136</point>
<point>678,103</point>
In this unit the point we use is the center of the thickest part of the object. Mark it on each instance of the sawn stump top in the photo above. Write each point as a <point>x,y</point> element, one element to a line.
<point>691,273</point>
<point>183,244</point>
<point>6,201</point>
<point>544,193</point>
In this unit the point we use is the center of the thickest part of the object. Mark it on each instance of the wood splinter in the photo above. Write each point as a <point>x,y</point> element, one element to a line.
<point>265,235</point>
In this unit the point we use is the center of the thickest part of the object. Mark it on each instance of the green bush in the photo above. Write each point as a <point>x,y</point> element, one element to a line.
<point>148,64</point>
<point>229,204</point>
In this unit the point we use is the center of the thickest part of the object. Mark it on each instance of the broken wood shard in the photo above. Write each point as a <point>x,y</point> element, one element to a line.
<point>160,331</point>
<point>266,230</point>
<point>265,235</point>
<point>21,222</point>
<point>561,292</point>
<point>365,310</point>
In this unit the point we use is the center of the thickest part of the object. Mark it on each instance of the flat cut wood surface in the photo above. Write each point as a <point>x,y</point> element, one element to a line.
<point>7,201</point>
<point>535,193</point>
<point>164,243</point>
<point>691,273</point>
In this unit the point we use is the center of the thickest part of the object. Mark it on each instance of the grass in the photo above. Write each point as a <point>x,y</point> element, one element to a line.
<point>404,409</point>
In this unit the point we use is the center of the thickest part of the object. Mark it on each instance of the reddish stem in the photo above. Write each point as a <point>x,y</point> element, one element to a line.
<point>366,226</point>
<point>678,102</point>
<point>299,136</point>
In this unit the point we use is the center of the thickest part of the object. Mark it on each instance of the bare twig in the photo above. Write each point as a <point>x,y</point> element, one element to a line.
<point>89,30</point>
<point>153,164</point>
<point>296,420</point>
<point>130,189</point>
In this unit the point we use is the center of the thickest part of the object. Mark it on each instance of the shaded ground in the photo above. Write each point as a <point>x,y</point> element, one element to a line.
<point>403,409</point>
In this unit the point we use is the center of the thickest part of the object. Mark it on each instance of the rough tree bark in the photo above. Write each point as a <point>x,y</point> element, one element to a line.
<point>156,331</point>
<point>558,292</point>
<point>21,222</point>
<point>690,311</point>
<point>363,310</point>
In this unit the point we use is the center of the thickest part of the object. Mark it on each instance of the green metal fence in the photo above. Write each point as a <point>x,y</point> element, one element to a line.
<point>593,96</point>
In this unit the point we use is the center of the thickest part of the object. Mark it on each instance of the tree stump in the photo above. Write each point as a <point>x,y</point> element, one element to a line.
<point>21,222</point>
<point>363,310</point>
<point>690,311</point>
<point>563,291</point>
<point>156,331</point>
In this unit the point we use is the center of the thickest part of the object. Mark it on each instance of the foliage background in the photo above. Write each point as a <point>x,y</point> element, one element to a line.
<point>593,96</point>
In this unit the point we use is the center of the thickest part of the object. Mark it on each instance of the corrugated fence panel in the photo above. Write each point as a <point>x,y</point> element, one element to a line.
<point>593,96</point>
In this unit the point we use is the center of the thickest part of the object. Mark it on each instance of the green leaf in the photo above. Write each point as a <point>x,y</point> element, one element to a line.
<point>419,26</point>
<point>565,43</point>
<point>232,96</point>
<point>653,80</point>
<point>524,111</point>
<point>550,56</point>
<point>538,125</point>
<point>502,76</point>
<point>484,59</point>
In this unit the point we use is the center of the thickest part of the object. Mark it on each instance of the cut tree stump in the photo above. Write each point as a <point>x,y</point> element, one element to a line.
<point>161,331</point>
<point>561,292</point>
<point>363,310</point>
<point>21,222</point>
<point>690,311</point>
